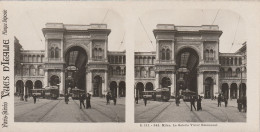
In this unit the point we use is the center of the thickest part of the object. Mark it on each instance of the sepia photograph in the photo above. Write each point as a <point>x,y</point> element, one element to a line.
<point>69,67</point>
<point>194,69</point>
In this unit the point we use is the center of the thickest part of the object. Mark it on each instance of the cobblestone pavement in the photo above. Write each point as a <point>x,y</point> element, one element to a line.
<point>156,111</point>
<point>58,111</point>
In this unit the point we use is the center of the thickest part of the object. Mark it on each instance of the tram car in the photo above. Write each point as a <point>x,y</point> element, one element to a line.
<point>149,94</point>
<point>187,94</point>
<point>38,92</point>
<point>163,94</point>
<point>52,92</point>
<point>75,93</point>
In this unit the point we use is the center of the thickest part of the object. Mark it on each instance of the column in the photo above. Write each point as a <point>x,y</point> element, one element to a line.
<point>156,80</point>
<point>105,82</point>
<point>90,50</point>
<point>157,51</point>
<point>172,50</point>
<point>62,49</point>
<point>200,84</point>
<point>46,78</point>
<point>173,86</point>
<point>46,48</point>
<point>117,91</point>
<point>216,86</point>
<point>237,92</point>
<point>229,91</point>
<point>62,82</point>
<point>89,83</point>
<point>105,50</point>
<point>86,81</point>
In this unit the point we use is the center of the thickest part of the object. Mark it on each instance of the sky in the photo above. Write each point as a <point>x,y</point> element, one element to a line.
<point>27,23</point>
<point>232,25</point>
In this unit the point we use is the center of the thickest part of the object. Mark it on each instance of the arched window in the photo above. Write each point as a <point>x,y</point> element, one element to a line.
<point>145,60</point>
<point>100,53</point>
<point>229,73</point>
<point>211,55</point>
<point>118,69</point>
<point>163,54</point>
<point>231,61</point>
<point>143,72</point>
<point>30,58</point>
<point>52,52</point>
<point>168,54</point>
<point>240,61</point>
<point>24,71</point>
<point>40,71</point>
<point>238,72</point>
<point>236,61</point>
<point>207,54</point>
<point>31,71</point>
<point>151,72</point>
<point>222,72</point>
<point>56,52</point>
<point>140,60</point>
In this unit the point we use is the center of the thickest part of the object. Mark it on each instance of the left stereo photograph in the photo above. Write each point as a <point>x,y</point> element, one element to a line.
<point>69,66</point>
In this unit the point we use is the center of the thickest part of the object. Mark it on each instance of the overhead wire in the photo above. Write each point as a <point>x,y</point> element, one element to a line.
<point>235,34</point>
<point>146,33</point>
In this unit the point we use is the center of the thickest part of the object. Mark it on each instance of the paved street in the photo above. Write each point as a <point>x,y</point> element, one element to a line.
<point>156,111</point>
<point>57,111</point>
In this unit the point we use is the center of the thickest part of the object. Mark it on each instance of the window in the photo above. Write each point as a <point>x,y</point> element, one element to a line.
<point>56,52</point>
<point>168,54</point>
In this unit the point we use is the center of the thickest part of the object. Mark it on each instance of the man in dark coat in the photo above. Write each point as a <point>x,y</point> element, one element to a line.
<point>219,100</point>
<point>199,103</point>
<point>244,103</point>
<point>108,98</point>
<point>226,101</point>
<point>239,104</point>
<point>66,98</point>
<point>136,99</point>
<point>177,100</point>
<point>26,96</point>
<point>192,103</point>
<point>88,105</point>
<point>34,98</point>
<point>145,101</point>
<point>81,100</point>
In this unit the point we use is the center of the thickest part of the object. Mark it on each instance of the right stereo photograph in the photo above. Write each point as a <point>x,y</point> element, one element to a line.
<point>190,66</point>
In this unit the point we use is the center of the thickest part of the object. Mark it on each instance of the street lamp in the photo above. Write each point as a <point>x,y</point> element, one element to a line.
<point>23,84</point>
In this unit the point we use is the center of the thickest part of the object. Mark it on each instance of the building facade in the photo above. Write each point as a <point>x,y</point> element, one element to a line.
<point>74,56</point>
<point>188,57</point>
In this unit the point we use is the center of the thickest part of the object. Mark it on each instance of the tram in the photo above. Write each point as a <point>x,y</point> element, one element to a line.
<point>52,92</point>
<point>163,94</point>
<point>38,92</point>
<point>187,94</point>
<point>75,93</point>
<point>149,94</point>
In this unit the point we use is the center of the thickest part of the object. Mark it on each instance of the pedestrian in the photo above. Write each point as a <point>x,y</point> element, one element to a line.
<point>192,103</point>
<point>26,96</point>
<point>81,100</point>
<point>145,101</point>
<point>226,101</point>
<point>88,105</point>
<point>136,99</point>
<point>199,103</point>
<point>34,98</point>
<point>114,99</point>
<point>108,98</point>
<point>219,100</point>
<point>66,98</point>
<point>244,103</point>
<point>239,104</point>
<point>177,100</point>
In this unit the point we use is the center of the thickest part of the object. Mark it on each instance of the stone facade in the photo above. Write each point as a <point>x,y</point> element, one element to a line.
<point>75,56</point>
<point>187,57</point>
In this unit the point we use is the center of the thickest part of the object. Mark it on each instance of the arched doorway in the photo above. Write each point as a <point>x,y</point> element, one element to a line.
<point>37,84</point>
<point>233,91</point>
<point>97,86</point>
<point>113,88</point>
<point>139,90</point>
<point>28,87</point>
<point>225,90</point>
<point>75,73</point>
<point>19,87</point>
<point>208,93</point>
<point>122,89</point>
<point>54,80</point>
<point>187,61</point>
<point>242,90</point>
<point>149,86</point>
